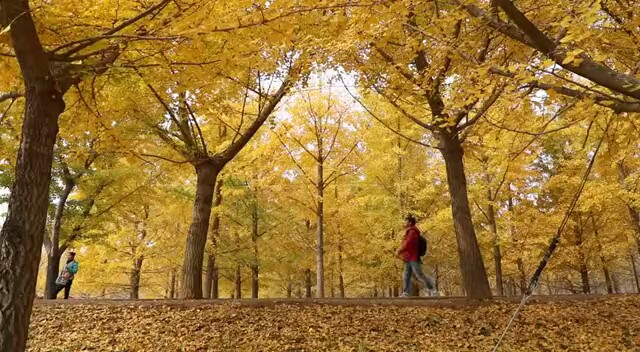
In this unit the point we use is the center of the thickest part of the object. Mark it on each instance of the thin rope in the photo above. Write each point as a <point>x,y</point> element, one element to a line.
<point>533,283</point>
<point>524,299</point>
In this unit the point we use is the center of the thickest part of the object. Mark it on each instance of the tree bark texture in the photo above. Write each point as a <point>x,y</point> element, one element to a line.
<point>191,288</point>
<point>22,234</point>
<point>472,267</point>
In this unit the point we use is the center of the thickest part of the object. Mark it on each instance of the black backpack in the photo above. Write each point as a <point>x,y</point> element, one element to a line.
<point>422,246</point>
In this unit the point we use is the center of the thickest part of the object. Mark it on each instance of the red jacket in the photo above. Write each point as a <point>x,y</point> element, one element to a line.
<point>409,248</point>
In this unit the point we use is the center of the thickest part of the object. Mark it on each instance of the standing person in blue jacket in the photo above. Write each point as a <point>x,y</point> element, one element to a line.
<point>67,275</point>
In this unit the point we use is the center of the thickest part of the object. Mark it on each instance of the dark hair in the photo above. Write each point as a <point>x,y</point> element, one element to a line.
<point>411,219</point>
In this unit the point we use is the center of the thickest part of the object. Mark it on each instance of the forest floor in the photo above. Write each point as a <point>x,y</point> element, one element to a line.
<point>556,323</point>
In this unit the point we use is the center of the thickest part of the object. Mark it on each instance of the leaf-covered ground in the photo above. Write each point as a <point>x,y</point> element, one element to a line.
<point>602,324</point>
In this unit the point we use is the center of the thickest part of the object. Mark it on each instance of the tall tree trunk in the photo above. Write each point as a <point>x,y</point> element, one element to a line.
<point>607,276</point>
<point>134,277</point>
<point>584,271</point>
<point>472,267</point>
<point>584,275</point>
<point>307,282</point>
<point>635,273</point>
<point>23,231</point>
<point>634,215</point>
<point>332,288</point>
<point>340,270</point>
<point>616,283</point>
<point>320,239</point>
<point>603,261</point>
<point>289,288</point>
<point>191,288</point>
<point>497,255</point>
<point>255,269</point>
<point>238,283</point>
<point>208,278</point>
<point>215,289</point>
<point>53,266</point>
<point>172,284</point>
<point>54,253</point>
<point>215,231</point>
<point>519,261</point>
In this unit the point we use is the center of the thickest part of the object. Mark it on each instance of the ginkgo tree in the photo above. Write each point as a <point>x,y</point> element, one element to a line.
<point>322,134</point>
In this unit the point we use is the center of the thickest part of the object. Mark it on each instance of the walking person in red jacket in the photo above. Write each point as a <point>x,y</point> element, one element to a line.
<point>409,252</point>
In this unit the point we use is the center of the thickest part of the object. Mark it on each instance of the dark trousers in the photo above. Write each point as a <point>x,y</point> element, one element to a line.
<point>67,289</point>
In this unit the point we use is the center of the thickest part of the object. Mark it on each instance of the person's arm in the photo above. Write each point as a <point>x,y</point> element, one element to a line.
<point>405,243</point>
<point>73,268</point>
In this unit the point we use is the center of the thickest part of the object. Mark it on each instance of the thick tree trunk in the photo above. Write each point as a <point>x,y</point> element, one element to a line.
<point>196,241</point>
<point>472,267</point>
<point>238,283</point>
<point>307,283</point>
<point>215,230</point>
<point>24,227</point>
<point>53,266</point>
<point>134,278</point>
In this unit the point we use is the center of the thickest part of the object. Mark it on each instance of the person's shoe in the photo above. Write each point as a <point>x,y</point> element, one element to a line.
<point>404,295</point>
<point>434,293</point>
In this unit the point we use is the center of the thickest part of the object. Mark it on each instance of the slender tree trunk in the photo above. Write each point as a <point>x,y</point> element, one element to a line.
<point>134,277</point>
<point>307,281</point>
<point>172,284</point>
<point>332,288</point>
<point>138,259</point>
<point>584,275</point>
<point>211,259</point>
<point>23,231</point>
<point>519,261</point>
<point>238,282</point>
<point>635,273</point>
<point>584,271</point>
<point>254,281</point>
<point>53,266</point>
<point>191,288</point>
<point>616,283</point>
<point>289,288</point>
<point>340,270</point>
<point>497,255</point>
<point>607,276</point>
<point>320,239</point>
<point>208,280</point>
<point>634,215</point>
<point>255,269</point>
<point>471,264</point>
<point>603,261</point>
<point>54,252</point>
<point>215,290</point>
